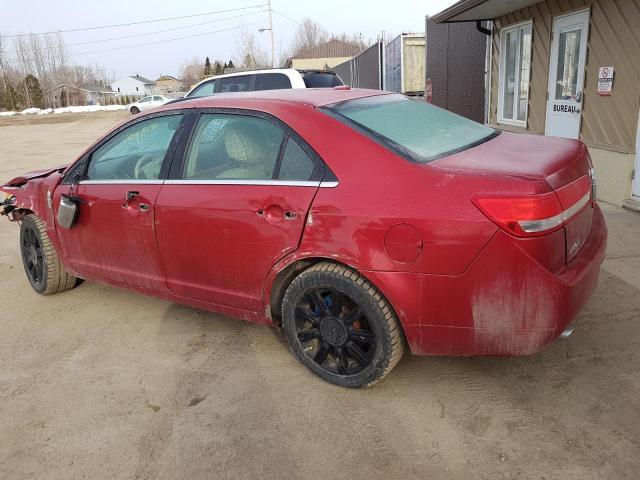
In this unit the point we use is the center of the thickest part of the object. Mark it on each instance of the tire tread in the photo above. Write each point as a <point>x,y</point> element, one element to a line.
<point>392,328</point>
<point>57,278</point>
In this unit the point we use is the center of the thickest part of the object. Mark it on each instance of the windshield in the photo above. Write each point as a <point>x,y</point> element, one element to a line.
<point>204,90</point>
<point>416,130</point>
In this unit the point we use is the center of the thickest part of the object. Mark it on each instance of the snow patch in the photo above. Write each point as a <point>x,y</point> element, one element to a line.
<point>71,109</point>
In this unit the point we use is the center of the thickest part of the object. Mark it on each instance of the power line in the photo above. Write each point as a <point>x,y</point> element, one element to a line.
<point>163,41</point>
<point>286,16</point>
<point>136,23</point>
<point>144,34</point>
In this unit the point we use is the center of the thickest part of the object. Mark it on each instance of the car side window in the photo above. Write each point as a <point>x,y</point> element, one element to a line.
<point>157,99</point>
<point>272,81</point>
<point>233,147</point>
<point>204,90</point>
<point>295,164</point>
<point>241,83</point>
<point>136,153</point>
<point>145,100</point>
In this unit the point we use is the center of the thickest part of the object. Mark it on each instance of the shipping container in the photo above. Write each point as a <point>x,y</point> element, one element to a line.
<point>405,64</point>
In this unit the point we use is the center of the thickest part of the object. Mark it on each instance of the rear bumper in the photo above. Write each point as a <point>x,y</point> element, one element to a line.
<point>506,303</point>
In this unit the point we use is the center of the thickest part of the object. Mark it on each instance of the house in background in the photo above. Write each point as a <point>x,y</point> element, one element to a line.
<point>323,57</point>
<point>64,95</point>
<point>134,85</point>
<point>168,84</point>
<point>568,68</point>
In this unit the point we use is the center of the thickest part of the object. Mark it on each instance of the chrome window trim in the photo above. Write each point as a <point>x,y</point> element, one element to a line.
<point>531,226</point>
<point>122,182</point>
<point>281,183</point>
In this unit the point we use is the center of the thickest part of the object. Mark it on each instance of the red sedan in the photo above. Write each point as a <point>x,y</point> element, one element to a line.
<point>358,220</point>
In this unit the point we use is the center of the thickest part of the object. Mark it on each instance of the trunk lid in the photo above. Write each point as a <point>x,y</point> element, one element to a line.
<point>538,166</point>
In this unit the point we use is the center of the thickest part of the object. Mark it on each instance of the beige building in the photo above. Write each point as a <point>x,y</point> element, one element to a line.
<point>568,68</point>
<point>169,84</point>
<point>323,57</point>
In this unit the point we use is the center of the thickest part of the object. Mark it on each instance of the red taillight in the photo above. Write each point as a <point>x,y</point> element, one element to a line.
<point>534,215</point>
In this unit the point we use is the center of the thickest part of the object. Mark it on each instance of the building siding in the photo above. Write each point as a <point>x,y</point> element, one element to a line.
<point>317,63</point>
<point>456,66</point>
<point>614,39</point>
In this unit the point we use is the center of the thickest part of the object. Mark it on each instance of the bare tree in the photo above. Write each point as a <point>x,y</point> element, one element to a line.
<point>308,34</point>
<point>6,94</point>
<point>249,52</point>
<point>192,70</point>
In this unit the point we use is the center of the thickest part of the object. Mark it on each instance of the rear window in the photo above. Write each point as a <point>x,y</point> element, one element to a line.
<point>416,130</point>
<point>321,79</point>
<point>272,81</point>
<point>240,83</point>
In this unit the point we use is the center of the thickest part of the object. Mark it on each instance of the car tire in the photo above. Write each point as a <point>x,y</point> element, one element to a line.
<point>43,267</point>
<point>134,110</point>
<point>340,326</point>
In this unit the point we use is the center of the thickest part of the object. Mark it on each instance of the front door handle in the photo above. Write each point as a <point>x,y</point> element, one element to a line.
<point>131,194</point>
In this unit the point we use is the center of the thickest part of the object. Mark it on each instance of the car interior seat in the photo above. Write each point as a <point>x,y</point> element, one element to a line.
<point>247,146</point>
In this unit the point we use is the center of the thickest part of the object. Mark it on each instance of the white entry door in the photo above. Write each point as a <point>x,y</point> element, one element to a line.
<point>566,74</point>
<point>636,177</point>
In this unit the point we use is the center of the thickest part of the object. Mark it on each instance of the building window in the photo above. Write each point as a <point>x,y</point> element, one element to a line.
<point>515,68</point>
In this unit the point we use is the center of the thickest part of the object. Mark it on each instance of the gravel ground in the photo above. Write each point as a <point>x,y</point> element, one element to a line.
<point>102,383</point>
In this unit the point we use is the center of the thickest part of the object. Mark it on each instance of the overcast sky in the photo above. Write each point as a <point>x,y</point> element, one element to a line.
<point>368,18</point>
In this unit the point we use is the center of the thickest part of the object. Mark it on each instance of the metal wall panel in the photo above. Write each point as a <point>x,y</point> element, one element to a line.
<point>364,70</point>
<point>614,39</point>
<point>455,62</point>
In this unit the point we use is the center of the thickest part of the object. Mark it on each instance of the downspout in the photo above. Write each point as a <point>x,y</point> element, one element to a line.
<point>481,29</point>
<point>487,66</point>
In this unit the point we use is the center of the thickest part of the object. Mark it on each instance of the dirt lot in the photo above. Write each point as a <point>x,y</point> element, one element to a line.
<point>101,383</point>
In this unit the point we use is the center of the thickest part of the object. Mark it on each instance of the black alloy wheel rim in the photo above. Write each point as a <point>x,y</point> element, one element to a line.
<point>32,256</point>
<point>334,332</point>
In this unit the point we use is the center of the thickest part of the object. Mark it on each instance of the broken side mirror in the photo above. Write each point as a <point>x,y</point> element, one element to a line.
<point>68,211</point>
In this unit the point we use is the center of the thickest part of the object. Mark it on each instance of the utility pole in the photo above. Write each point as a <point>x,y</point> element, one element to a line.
<point>273,42</point>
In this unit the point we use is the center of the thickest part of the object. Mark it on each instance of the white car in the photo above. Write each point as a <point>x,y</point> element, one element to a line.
<point>272,79</point>
<point>147,103</point>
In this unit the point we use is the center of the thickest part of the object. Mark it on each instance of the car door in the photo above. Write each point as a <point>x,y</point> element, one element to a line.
<point>144,104</point>
<point>237,205</point>
<point>114,236</point>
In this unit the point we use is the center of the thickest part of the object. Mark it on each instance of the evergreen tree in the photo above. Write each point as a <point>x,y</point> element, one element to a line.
<point>230,64</point>
<point>217,68</point>
<point>29,93</point>
<point>207,68</point>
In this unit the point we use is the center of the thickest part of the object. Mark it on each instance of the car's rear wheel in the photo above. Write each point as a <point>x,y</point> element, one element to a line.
<point>340,326</point>
<point>135,110</point>
<point>45,272</point>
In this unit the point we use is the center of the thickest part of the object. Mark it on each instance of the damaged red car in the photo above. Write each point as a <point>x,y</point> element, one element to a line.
<point>362,222</point>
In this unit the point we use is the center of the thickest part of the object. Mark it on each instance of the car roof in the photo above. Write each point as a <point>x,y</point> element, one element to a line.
<point>315,97</point>
<point>285,71</point>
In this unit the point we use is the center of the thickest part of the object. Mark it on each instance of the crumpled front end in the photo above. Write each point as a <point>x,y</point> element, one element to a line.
<point>30,192</point>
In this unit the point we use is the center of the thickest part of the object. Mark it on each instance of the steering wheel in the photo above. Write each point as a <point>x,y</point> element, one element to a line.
<point>140,171</point>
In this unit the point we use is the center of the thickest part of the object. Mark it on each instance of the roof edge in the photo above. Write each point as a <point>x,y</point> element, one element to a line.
<point>456,9</point>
